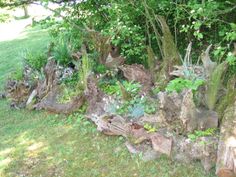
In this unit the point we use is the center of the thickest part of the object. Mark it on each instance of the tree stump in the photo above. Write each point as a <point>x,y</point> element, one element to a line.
<point>226,156</point>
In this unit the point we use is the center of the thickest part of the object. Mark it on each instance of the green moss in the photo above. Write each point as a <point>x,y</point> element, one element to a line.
<point>214,84</point>
<point>228,99</point>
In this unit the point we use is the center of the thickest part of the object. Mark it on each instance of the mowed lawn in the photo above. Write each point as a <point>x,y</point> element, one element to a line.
<point>41,144</point>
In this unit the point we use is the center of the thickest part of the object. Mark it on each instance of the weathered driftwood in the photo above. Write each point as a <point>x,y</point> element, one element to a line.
<point>208,64</point>
<point>203,149</point>
<point>171,56</point>
<point>18,92</point>
<point>137,73</point>
<point>92,93</point>
<point>114,62</point>
<point>179,112</point>
<point>50,81</point>
<point>226,159</point>
<point>50,103</point>
<point>101,43</point>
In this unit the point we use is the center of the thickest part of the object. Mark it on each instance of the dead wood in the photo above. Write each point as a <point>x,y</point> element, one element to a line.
<point>178,112</point>
<point>50,103</point>
<point>208,64</point>
<point>137,73</point>
<point>112,125</point>
<point>171,55</point>
<point>18,92</point>
<point>92,93</point>
<point>50,81</point>
<point>114,62</point>
<point>101,43</point>
<point>203,149</point>
<point>226,157</point>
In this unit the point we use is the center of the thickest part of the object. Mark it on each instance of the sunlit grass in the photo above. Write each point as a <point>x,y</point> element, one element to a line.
<point>11,51</point>
<point>41,144</point>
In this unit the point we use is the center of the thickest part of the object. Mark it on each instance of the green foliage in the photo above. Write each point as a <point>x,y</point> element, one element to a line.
<point>131,87</point>
<point>137,106</point>
<point>4,17</point>
<point>17,74</point>
<point>67,95</point>
<point>149,128</point>
<point>179,84</point>
<point>35,60</point>
<point>150,108</point>
<point>62,52</point>
<point>198,133</point>
<point>100,69</point>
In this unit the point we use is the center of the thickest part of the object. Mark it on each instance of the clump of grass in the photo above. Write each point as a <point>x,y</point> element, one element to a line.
<point>35,60</point>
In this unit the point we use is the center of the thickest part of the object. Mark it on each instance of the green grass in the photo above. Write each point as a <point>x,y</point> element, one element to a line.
<point>42,144</point>
<point>11,51</point>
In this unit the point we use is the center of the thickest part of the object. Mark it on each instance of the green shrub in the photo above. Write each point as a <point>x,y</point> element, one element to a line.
<point>179,84</point>
<point>35,60</point>
<point>4,17</point>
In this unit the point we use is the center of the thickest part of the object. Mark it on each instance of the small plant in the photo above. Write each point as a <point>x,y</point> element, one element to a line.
<point>85,71</point>
<point>100,69</point>
<point>179,84</point>
<point>150,108</point>
<point>67,95</point>
<point>149,128</point>
<point>35,60</point>
<point>62,51</point>
<point>198,133</point>
<point>131,87</point>
<point>17,74</point>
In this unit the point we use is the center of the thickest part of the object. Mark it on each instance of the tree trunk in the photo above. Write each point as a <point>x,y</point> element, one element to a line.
<point>26,12</point>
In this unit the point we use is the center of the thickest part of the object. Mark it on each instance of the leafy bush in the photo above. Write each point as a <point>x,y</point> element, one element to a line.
<point>35,60</point>
<point>179,84</point>
<point>4,17</point>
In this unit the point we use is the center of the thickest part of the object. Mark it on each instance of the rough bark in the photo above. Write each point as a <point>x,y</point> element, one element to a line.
<point>137,73</point>
<point>178,112</point>
<point>226,159</point>
<point>50,103</point>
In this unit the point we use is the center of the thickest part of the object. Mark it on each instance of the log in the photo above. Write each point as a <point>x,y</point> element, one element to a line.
<point>50,103</point>
<point>226,155</point>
